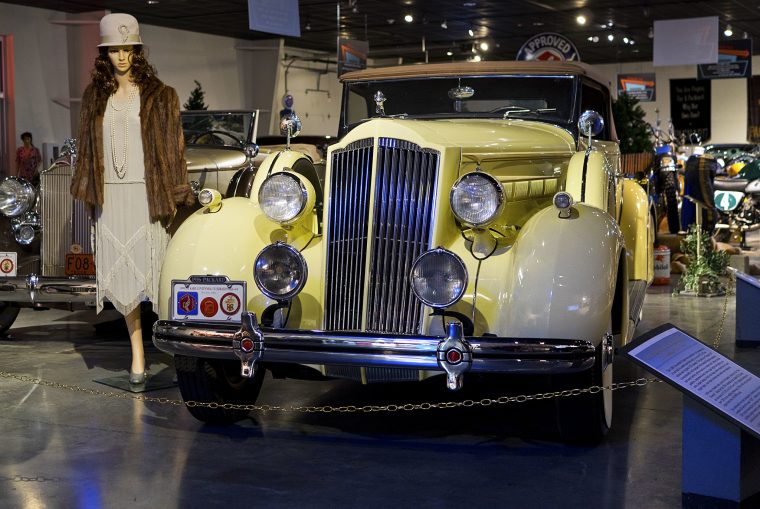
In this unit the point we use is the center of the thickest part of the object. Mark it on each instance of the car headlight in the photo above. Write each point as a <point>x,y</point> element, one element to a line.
<point>439,278</point>
<point>280,271</point>
<point>477,199</point>
<point>16,196</point>
<point>284,197</point>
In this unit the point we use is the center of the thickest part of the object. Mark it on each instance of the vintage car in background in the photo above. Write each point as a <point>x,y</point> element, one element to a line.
<point>48,233</point>
<point>467,224</point>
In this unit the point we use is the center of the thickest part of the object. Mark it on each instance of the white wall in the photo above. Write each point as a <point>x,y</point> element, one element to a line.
<point>41,72</point>
<point>728,111</point>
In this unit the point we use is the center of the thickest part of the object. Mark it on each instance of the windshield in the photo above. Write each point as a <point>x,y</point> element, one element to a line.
<point>229,129</point>
<point>545,98</point>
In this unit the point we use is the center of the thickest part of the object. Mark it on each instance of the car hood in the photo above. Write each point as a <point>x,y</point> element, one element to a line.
<point>213,158</point>
<point>471,135</point>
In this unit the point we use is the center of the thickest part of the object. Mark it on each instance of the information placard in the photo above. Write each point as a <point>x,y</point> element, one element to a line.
<point>700,371</point>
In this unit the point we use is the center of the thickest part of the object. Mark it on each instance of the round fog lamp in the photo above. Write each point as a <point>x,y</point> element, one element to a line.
<point>477,199</point>
<point>16,196</point>
<point>439,278</point>
<point>282,197</point>
<point>280,271</point>
<point>24,234</point>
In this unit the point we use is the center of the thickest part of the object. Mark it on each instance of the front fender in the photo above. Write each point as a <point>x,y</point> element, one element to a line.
<point>563,276</point>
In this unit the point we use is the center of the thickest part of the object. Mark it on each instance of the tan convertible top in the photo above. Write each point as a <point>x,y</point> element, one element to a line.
<point>475,69</point>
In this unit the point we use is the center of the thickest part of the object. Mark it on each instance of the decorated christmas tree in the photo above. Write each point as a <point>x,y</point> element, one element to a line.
<point>195,102</point>
<point>634,132</point>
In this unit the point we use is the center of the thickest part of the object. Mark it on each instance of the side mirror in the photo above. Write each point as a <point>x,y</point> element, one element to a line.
<point>590,124</point>
<point>290,126</point>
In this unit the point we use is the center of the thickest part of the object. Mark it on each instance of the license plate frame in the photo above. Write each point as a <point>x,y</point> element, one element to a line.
<point>208,299</point>
<point>79,264</point>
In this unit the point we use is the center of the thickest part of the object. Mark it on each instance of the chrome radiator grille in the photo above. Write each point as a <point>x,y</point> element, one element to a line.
<point>404,186</point>
<point>64,221</point>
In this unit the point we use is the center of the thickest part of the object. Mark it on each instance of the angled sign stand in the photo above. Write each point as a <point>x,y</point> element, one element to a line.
<point>721,420</point>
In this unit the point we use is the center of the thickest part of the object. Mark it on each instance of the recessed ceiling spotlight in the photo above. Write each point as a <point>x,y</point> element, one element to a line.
<point>152,2</point>
<point>728,32</point>
<point>580,19</point>
<point>625,40</point>
<point>484,46</point>
<point>610,23</point>
<point>469,4</point>
<point>470,31</point>
<point>408,18</point>
<point>390,21</point>
<point>449,53</point>
<point>610,37</point>
<point>444,25</point>
<point>538,23</point>
<point>596,38</point>
<point>630,41</point>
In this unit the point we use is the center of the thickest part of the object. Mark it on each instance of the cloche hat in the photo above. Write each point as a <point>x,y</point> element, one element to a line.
<point>119,30</point>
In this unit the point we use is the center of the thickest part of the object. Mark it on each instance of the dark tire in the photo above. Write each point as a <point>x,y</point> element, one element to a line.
<point>585,419</point>
<point>8,314</point>
<point>670,193</point>
<point>216,381</point>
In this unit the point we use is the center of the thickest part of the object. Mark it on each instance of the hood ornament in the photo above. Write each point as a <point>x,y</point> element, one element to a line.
<point>379,100</point>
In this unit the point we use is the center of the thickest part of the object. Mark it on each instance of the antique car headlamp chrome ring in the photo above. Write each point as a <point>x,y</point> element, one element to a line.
<point>280,271</point>
<point>25,228</point>
<point>284,197</point>
<point>477,199</point>
<point>210,199</point>
<point>438,278</point>
<point>17,196</point>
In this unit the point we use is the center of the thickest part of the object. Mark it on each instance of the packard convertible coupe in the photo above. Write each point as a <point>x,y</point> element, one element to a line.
<point>466,223</point>
<point>47,245</point>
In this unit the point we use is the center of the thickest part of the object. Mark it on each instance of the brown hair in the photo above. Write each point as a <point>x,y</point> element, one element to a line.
<point>103,75</point>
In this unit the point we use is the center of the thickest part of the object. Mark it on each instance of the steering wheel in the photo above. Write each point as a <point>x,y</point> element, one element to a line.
<point>214,137</point>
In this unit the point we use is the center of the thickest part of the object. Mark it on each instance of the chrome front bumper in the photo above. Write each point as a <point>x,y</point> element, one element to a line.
<point>454,354</point>
<point>35,289</point>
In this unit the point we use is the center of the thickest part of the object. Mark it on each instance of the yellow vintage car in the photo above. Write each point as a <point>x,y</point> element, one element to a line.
<point>466,222</point>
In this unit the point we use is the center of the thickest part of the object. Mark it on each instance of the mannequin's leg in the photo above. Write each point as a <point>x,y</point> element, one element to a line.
<point>134,327</point>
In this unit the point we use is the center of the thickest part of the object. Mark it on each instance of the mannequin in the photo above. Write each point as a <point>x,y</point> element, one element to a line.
<point>131,171</point>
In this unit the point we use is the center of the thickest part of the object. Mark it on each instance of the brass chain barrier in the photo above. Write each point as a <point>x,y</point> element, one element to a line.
<point>729,291</point>
<point>407,407</point>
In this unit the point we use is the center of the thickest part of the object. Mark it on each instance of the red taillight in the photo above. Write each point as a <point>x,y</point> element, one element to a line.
<point>246,345</point>
<point>454,356</point>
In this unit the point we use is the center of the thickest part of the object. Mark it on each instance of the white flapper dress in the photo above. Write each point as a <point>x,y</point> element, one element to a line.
<point>129,248</point>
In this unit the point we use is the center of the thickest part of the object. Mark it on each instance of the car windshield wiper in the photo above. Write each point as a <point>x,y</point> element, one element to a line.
<point>520,111</point>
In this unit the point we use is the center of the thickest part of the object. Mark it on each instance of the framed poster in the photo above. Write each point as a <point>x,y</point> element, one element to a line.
<point>690,107</point>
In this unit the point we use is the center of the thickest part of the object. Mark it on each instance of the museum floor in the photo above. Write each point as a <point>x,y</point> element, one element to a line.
<point>65,449</point>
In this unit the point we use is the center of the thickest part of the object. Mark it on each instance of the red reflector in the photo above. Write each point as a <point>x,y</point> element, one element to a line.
<point>246,345</point>
<point>454,356</point>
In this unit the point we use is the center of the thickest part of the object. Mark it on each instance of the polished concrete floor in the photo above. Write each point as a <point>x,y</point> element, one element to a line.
<point>65,449</point>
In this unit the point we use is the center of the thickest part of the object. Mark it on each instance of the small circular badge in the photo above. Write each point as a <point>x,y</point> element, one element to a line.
<point>549,47</point>
<point>6,265</point>
<point>209,307</point>
<point>230,303</point>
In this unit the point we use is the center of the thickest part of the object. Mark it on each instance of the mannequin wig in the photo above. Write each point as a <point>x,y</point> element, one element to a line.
<point>103,72</point>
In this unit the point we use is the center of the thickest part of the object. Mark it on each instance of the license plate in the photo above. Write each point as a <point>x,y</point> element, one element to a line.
<point>80,264</point>
<point>208,298</point>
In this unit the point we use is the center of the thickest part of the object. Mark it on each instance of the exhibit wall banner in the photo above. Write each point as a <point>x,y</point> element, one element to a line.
<point>753,107</point>
<point>701,372</point>
<point>638,85</point>
<point>688,41</point>
<point>734,61</point>
<point>353,55</point>
<point>690,107</point>
<point>274,17</point>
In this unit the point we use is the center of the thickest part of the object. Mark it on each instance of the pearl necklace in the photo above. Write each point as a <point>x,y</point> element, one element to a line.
<point>121,167</point>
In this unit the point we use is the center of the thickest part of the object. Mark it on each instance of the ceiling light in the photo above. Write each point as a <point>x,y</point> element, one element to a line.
<point>596,38</point>
<point>610,37</point>
<point>728,32</point>
<point>484,46</point>
<point>473,48</point>
<point>630,41</point>
<point>472,34</point>
<point>449,53</point>
<point>408,18</point>
<point>476,58</point>
<point>444,25</point>
<point>152,2</point>
<point>581,19</point>
<point>609,23</point>
<point>469,4</point>
<point>625,40</point>
<point>390,21</point>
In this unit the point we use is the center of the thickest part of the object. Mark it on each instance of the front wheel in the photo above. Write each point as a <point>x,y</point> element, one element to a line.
<point>670,192</point>
<point>216,381</point>
<point>585,419</point>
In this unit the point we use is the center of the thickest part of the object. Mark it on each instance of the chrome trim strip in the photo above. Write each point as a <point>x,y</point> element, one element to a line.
<point>489,354</point>
<point>40,290</point>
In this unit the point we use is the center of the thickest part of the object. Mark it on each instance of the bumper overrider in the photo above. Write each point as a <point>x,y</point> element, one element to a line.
<point>36,289</point>
<point>453,355</point>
